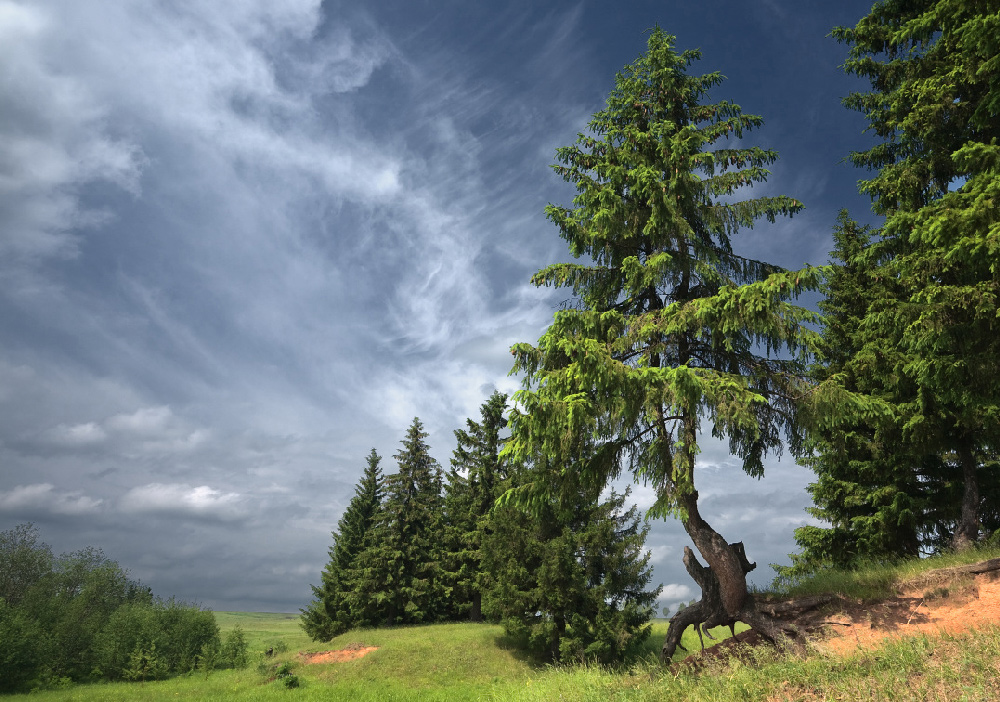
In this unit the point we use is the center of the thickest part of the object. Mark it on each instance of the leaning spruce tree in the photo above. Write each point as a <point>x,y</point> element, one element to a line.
<point>935,105</point>
<point>329,613</point>
<point>669,330</point>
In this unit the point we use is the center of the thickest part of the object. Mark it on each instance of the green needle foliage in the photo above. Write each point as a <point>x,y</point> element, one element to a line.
<point>669,329</point>
<point>569,581</point>
<point>869,487</point>
<point>477,478</point>
<point>935,103</point>
<point>330,614</point>
<point>399,577</point>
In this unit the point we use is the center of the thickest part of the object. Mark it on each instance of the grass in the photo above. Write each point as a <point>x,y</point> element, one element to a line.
<point>474,662</point>
<point>470,662</point>
<point>875,581</point>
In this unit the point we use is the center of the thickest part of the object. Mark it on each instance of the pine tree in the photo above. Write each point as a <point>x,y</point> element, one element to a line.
<point>475,482</point>
<point>669,329</point>
<point>398,578</point>
<point>568,581</point>
<point>935,103</point>
<point>329,613</point>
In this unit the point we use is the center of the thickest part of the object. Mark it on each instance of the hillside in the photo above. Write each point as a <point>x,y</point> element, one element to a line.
<point>892,634</point>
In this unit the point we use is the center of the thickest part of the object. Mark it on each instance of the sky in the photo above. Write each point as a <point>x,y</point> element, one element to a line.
<point>244,242</point>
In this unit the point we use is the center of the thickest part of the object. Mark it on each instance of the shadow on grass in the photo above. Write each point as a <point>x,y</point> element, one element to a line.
<point>516,648</point>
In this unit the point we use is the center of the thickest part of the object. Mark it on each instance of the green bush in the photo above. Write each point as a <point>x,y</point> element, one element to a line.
<point>81,617</point>
<point>234,652</point>
<point>20,662</point>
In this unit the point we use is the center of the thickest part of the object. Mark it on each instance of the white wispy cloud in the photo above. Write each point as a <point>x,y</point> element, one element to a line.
<point>55,139</point>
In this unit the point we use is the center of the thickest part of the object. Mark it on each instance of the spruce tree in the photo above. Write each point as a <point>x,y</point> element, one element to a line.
<point>329,613</point>
<point>398,578</point>
<point>568,580</point>
<point>870,487</point>
<point>475,481</point>
<point>935,104</point>
<point>671,332</point>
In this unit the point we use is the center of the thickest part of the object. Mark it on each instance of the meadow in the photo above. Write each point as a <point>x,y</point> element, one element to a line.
<point>469,661</point>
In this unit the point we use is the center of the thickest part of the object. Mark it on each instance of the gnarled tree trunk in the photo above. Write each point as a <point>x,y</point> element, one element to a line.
<point>724,597</point>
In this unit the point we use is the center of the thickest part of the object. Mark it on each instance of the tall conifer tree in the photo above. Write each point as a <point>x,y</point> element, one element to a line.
<point>870,487</point>
<point>477,478</point>
<point>670,328</point>
<point>935,103</point>
<point>399,578</point>
<point>330,613</point>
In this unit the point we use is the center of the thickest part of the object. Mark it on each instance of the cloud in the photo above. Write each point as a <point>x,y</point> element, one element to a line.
<point>45,498</point>
<point>144,421</point>
<point>78,435</point>
<point>180,499</point>
<point>54,141</point>
<point>660,553</point>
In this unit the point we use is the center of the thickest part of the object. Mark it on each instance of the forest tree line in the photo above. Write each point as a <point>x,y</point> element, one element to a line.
<point>80,617</point>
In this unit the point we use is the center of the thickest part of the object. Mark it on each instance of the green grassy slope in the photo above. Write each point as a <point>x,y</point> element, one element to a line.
<point>456,662</point>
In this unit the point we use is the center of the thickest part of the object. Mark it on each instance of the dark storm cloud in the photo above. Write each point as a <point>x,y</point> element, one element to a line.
<point>243,242</point>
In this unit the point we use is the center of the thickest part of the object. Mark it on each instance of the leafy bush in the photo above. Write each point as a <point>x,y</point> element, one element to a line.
<point>234,652</point>
<point>81,617</point>
<point>19,649</point>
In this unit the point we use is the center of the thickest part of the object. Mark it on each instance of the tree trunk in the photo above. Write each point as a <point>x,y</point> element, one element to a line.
<point>720,556</point>
<point>967,530</point>
<point>476,611</point>
<point>724,597</point>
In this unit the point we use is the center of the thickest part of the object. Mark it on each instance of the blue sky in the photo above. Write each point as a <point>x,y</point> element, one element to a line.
<point>243,242</point>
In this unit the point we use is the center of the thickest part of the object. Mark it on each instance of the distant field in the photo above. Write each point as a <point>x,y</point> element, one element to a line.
<point>265,629</point>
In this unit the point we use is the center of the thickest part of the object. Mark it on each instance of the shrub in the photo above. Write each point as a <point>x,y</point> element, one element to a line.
<point>234,652</point>
<point>20,662</point>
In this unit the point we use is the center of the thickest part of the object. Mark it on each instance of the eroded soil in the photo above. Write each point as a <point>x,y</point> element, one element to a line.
<point>927,607</point>
<point>938,602</point>
<point>350,653</point>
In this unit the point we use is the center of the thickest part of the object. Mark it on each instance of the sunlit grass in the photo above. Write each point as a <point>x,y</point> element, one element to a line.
<point>880,580</point>
<point>474,662</point>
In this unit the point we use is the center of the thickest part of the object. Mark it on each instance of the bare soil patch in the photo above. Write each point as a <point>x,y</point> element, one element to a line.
<point>927,608</point>
<point>948,601</point>
<point>351,652</point>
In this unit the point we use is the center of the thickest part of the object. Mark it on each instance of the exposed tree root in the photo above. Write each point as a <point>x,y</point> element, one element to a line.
<point>709,612</point>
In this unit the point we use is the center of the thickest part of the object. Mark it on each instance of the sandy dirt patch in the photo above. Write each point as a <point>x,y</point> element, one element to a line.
<point>350,653</point>
<point>926,609</point>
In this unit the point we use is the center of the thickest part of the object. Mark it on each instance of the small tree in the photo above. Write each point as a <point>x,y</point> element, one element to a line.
<point>24,561</point>
<point>568,579</point>
<point>669,328</point>
<point>330,613</point>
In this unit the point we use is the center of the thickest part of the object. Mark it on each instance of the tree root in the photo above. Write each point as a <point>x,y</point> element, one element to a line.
<point>709,612</point>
